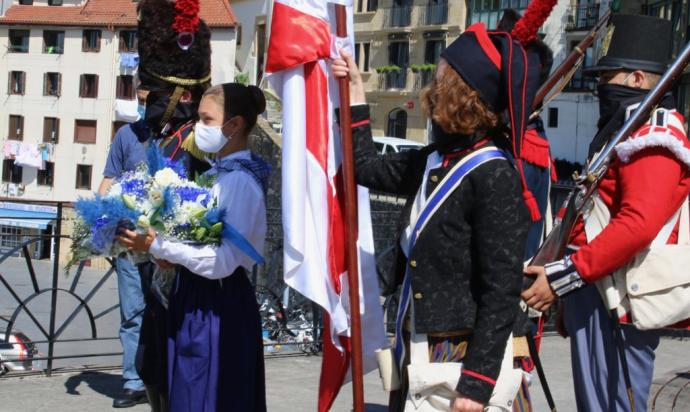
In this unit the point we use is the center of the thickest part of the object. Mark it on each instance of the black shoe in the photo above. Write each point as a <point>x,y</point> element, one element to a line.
<point>128,398</point>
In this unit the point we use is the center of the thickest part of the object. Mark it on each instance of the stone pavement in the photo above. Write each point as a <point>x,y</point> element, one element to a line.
<point>292,385</point>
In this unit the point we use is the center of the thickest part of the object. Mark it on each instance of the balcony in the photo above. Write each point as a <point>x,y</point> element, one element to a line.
<point>433,14</point>
<point>397,16</point>
<point>582,17</point>
<point>392,78</point>
<point>423,75</point>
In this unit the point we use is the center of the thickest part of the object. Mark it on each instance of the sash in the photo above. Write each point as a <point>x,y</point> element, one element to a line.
<point>436,199</point>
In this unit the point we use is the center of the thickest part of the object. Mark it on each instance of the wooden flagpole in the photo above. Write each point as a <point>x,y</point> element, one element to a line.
<point>350,191</point>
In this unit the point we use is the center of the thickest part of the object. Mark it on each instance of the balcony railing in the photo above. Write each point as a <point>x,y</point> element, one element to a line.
<point>582,17</point>
<point>433,14</point>
<point>393,80</point>
<point>397,16</point>
<point>422,78</point>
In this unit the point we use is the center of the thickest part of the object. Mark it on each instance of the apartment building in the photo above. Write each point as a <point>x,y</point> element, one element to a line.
<point>67,71</point>
<point>69,67</point>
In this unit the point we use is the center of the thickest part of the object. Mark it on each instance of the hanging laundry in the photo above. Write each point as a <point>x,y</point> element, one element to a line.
<point>129,60</point>
<point>28,156</point>
<point>11,149</point>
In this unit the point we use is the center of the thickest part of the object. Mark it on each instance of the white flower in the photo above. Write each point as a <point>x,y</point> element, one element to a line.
<point>156,198</point>
<point>143,221</point>
<point>115,190</point>
<point>167,177</point>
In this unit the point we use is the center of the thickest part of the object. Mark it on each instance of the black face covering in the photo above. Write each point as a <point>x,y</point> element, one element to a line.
<point>614,96</point>
<point>157,104</point>
<point>614,100</point>
<point>449,142</point>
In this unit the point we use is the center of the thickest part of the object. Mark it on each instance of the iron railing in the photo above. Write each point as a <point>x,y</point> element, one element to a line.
<point>397,16</point>
<point>393,80</point>
<point>433,14</point>
<point>582,17</point>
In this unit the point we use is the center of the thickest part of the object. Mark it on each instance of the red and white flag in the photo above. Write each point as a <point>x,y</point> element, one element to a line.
<point>302,39</point>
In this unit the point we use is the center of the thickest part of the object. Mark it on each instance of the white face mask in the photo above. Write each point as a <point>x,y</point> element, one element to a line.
<point>210,139</point>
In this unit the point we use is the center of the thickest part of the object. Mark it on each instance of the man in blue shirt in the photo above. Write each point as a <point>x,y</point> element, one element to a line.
<point>126,152</point>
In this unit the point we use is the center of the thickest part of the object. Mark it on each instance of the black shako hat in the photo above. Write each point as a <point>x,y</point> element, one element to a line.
<point>174,45</point>
<point>496,66</point>
<point>635,42</point>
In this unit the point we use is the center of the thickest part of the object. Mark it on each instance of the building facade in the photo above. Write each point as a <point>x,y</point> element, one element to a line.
<point>69,69</point>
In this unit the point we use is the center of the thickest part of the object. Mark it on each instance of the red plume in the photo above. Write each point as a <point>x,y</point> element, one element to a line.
<point>186,16</point>
<point>525,30</point>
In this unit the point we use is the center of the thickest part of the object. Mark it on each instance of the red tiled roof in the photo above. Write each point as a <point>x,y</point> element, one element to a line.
<point>116,13</point>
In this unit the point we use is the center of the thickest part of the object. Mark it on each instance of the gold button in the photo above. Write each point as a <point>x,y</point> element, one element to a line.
<point>418,296</point>
<point>434,178</point>
<point>413,263</point>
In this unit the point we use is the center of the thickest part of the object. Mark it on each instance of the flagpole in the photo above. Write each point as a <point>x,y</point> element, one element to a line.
<point>350,191</point>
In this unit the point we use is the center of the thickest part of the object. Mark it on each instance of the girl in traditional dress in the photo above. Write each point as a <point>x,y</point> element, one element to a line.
<point>215,352</point>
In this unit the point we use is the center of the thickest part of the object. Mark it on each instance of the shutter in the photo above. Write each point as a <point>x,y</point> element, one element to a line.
<point>23,77</point>
<point>82,81</point>
<point>46,129</point>
<point>57,130</point>
<point>95,93</point>
<point>58,92</point>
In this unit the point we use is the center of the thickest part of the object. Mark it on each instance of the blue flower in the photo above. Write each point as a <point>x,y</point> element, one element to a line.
<point>169,202</point>
<point>191,194</point>
<point>134,187</point>
<point>156,160</point>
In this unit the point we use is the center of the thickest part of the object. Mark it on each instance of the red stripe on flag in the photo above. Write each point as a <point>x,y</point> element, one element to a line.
<point>333,367</point>
<point>316,102</point>
<point>317,136</point>
<point>296,38</point>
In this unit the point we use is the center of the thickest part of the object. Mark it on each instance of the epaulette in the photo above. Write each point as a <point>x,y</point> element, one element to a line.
<point>190,147</point>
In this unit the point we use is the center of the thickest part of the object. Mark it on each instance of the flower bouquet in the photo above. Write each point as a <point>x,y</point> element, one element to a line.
<point>156,195</point>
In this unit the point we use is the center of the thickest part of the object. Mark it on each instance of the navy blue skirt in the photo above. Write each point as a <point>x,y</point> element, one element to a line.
<point>215,348</point>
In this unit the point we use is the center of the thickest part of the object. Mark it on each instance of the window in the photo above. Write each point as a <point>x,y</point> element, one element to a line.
<point>397,124</point>
<point>490,11</point>
<point>372,5</point>
<point>53,42</point>
<point>19,41</point>
<point>45,176</point>
<point>17,83</point>
<point>55,2</point>
<point>51,129</point>
<point>128,41</point>
<point>16,130</point>
<point>362,56</point>
<point>553,116</point>
<point>83,177</point>
<point>116,126</point>
<point>26,2</point>
<point>433,49</point>
<point>125,87</point>
<point>11,173</point>
<point>88,86</point>
<point>85,131</point>
<point>399,53</point>
<point>91,41</point>
<point>52,83</point>
<point>238,34</point>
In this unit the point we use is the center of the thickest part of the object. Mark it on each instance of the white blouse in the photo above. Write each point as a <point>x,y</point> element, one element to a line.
<point>243,200</point>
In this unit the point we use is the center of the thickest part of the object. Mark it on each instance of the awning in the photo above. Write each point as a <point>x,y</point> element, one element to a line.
<point>25,215</point>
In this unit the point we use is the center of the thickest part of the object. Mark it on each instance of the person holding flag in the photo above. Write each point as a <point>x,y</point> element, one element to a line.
<point>466,221</point>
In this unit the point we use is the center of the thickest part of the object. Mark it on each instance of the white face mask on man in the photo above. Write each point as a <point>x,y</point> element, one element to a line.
<point>210,139</point>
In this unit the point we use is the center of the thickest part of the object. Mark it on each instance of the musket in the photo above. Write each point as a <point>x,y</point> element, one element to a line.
<point>566,66</point>
<point>556,242</point>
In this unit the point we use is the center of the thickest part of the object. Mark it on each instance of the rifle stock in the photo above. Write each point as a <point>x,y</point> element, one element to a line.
<point>564,68</point>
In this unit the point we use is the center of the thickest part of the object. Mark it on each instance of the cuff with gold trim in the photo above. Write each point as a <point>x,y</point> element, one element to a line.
<point>563,276</point>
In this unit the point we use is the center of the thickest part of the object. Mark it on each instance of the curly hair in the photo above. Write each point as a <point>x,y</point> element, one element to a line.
<point>455,106</point>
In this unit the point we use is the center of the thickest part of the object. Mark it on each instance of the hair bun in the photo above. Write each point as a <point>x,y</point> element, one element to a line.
<point>258,98</point>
